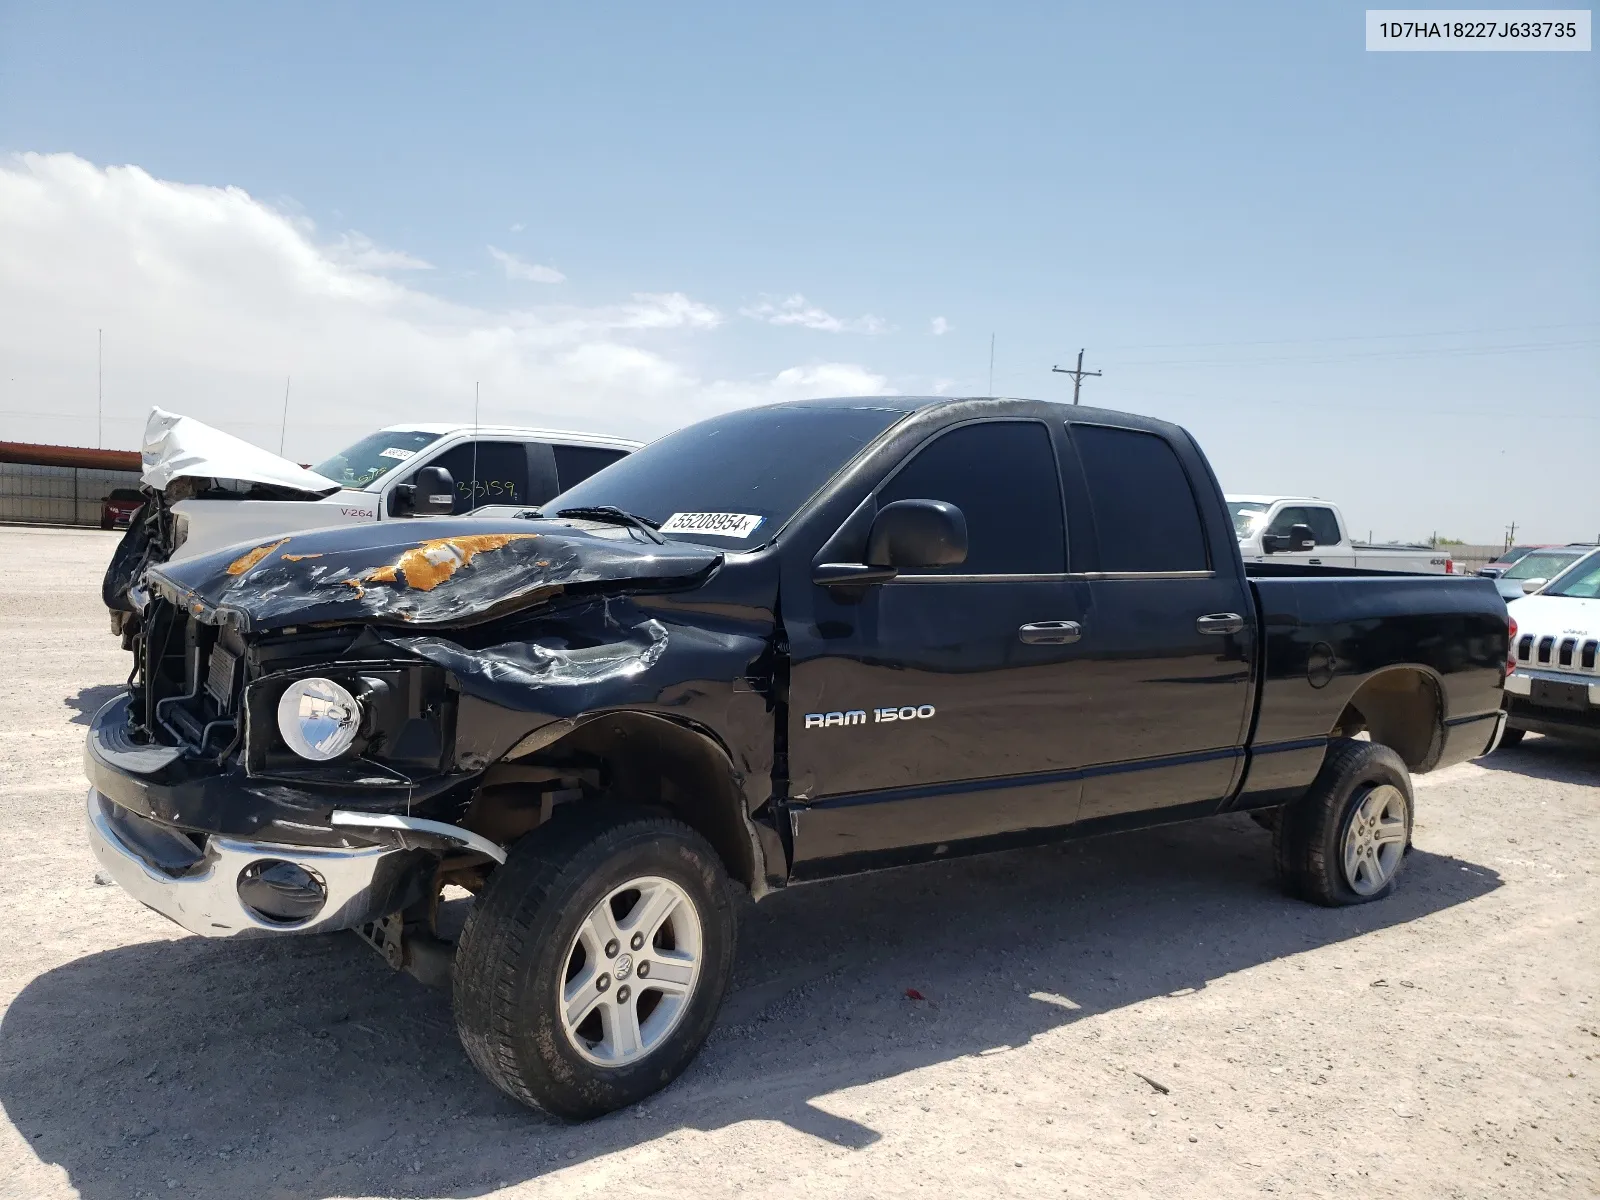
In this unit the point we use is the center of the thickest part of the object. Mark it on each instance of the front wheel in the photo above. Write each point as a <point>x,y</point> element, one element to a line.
<point>1345,840</point>
<point>593,965</point>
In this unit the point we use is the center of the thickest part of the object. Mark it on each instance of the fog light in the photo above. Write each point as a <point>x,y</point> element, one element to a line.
<point>281,892</point>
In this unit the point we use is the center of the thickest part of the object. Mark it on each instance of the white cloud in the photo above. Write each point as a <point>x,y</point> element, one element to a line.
<point>795,310</point>
<point>517,268</point>
<point>517,227</point>
<point>359,251</point>
<point>939,326</point>
<point>209,298</point>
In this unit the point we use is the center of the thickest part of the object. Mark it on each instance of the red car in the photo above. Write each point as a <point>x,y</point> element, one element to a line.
<point>118,508</point>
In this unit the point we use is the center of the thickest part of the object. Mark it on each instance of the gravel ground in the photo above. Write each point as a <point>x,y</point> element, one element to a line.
<point>1126,1016</point>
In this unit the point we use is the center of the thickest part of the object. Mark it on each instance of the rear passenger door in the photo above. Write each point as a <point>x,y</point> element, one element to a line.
<point>1167,637</point>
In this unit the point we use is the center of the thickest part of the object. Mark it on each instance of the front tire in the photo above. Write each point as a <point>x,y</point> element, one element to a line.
<point>1345,840</point>
<point>1511,737</point>
<point>591,968</point>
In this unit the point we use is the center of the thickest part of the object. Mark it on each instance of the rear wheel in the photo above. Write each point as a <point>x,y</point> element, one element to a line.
<point>1345,840</point>
<point>593,965</point>
<point>1510,737</point>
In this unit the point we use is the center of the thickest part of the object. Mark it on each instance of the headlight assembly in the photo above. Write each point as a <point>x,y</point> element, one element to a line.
<point>318,719</point>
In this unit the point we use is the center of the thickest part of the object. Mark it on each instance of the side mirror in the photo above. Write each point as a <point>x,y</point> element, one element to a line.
<point>1299,537</point>
<point>905,535</point>
<point>1529,586</point>
<point>431,493</point>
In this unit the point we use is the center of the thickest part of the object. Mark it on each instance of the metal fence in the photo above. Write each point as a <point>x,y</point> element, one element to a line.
<point>57,495</point>
<point>1469,558</point>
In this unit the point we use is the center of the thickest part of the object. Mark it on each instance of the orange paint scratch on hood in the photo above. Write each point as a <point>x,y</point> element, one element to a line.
<point>427,565</point>
<point>245,561</point>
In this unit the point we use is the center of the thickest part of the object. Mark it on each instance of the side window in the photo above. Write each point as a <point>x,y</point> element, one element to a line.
<point>1002,476</point>
<point>1145,515</point>
<point>574,464</point>
<point>1324,526</point>
<point>1288,518</point>
<point>502,473</point>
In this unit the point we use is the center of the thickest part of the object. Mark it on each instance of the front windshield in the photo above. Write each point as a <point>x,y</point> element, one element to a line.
<point>373,457</point>
<point>1582,582</point>
<point>1247,518</point>
<point>1516,552</point>
<point>1543,564</point>
<point>732,481</point>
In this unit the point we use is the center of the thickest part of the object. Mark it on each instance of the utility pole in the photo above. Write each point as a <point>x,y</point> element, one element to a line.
<point>991,364</point>
<point>100,388</point>
<point>1511,535</point>
<point>1077,375</point>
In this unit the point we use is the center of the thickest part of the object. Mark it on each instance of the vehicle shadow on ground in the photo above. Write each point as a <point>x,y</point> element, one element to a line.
<point>302,1068</point>
<point>91,700</point>
<point>1555,759</point>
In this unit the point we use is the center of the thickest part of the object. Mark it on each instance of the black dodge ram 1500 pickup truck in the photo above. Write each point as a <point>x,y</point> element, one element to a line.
<point>779,645</point>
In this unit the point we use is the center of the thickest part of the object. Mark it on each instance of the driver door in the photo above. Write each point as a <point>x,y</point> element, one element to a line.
<point>929,711</point>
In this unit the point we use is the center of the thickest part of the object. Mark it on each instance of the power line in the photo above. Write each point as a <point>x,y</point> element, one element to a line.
<point>1355,337</point>
<point>1077,375</point>
<point>1447,352</point>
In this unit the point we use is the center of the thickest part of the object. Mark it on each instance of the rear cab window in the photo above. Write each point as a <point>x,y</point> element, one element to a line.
<point>1146,518</point>
<point>574,464</point>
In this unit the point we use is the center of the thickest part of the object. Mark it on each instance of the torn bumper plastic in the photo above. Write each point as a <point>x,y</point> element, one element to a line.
<point>224,887</point>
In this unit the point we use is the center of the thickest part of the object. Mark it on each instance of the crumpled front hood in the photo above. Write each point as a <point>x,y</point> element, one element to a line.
<point>176,446</point>
<point>422,573</point>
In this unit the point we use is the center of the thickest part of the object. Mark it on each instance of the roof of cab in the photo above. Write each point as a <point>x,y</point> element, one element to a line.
<point>563,436</point>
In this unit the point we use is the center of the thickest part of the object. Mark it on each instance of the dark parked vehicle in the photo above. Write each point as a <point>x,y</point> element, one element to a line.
<point>120,507</point>
<point>780,645</point>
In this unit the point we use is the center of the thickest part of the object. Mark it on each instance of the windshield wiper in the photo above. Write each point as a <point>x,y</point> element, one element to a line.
<point>612,515</point>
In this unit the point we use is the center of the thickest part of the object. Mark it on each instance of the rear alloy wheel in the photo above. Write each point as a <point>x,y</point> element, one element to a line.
<point>1375,839</point>
<point>592,966</point>
<point>1345,840</point>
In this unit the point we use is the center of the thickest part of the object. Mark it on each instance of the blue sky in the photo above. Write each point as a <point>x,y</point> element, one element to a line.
<point>1249,220</point>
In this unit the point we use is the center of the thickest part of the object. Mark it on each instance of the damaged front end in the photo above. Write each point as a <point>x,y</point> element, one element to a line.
<point>434,668</point>
<point>184,459</point>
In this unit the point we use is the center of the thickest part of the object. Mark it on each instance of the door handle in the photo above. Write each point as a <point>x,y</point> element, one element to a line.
<point>1050,633</point>
<point>1315,562</point>
<point>1219,623</point>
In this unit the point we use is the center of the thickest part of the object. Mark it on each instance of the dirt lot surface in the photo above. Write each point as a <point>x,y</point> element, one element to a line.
<point>1137,1015</point>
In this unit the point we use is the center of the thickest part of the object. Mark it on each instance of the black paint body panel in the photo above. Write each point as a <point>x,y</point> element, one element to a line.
<point>1143,719</point>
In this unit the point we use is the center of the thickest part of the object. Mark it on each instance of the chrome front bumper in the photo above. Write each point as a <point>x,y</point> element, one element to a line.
<point>361,883</point>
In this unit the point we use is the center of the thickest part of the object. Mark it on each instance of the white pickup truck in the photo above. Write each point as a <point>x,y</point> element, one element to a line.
<point>1303,530</point>
<point>245,492</point>
<point>205,489</point>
